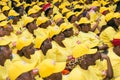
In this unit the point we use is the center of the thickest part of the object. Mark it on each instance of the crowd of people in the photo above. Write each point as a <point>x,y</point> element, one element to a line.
<point>59,39</point>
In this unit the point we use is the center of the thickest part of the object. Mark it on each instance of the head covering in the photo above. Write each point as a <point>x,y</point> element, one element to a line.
<point>17,68</point>
<point>3,23</point>
<point>117,15</point>
<point>41,20</point>
<point>65,26</point>
<point>28,20</point>
<point>95,4</point>
<point>13,13</point>
<point>20,4</point>
<point>69,14</point>
<point>84,20</point>
<point>49,66</point>
<point>82,49</point>
<point>5,8</point>
<point>116,39</point>
<point>23,42</point>
<point>37,8</point>
<point>57,17</point>
<point>32,11</point>
<point>41,35</point>
<point>109,16</point>
<point>102,9</point>
<point>64,10</point>
<point>2,17</point>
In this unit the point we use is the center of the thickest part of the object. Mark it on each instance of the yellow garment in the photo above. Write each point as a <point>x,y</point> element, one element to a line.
<point>102,21</point>
<point>36,58</point>
<point>3,73</point>
<point>115,61</point>
<point>80,74</point>
<point>71,42</point>
<point>58,53</point>
<point>89,38</point>
<point>107,35</point>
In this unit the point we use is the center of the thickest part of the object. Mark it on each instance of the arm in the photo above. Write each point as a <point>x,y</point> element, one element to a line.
<point>109,72</point>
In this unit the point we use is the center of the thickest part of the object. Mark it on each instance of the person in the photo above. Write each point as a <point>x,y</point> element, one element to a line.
<point>108,33</point>
<point>114,54</point>
<point>82,66</point>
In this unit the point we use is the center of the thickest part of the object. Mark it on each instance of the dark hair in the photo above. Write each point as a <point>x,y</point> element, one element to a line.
<point>118,7</point>
<point>112,24</point>
<point>77,10</point>
<point>17,9</point>
<point>27,9</point>
<point>46,12</point>
<point>69,19</point>
<point>29,1</point>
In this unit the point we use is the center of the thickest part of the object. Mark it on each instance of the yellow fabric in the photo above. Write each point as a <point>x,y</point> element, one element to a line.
<point>58,53</point>
<point>32,11</point>
<point>80,74</point>
<point>5,8</point>
<point>69,14</point>
<point>41,20</point>
<point>109,16</point>
<point>28,20</point>
<point>4,41</point>
<point>36,58</point>
<point>3,17</point>
<point>3,23</point>
<point>102,21</point>
<point>81,50</point>
<point>17,68</point>
<point>3,73</point>
<point>84,20</point>
<point>49,66</point>
<point>22,42</point>
<point>89,38</point>
<point>12,13</point>
<point>107,36</point>
<point>53,30</point>
<point>115,61</point>
<point>117,15</point>
<point>65,26</point>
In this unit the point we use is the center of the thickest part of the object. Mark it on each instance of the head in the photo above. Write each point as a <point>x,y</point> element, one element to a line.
<point>54,76</point>
<point>8,29</point>
<point>68,32</point>
<point>46,24</point>
<point>6,12</point>
<point>5,53</point>
<point>88,59</point>
<point>30,75</point>
<point>27,51</point>
<point>59,38</point>
<point>48,12</point>
<point>31,26</point>
<point>72,19</point>
<point>85,27</point>
<point>60,21</point>
<point>116,50</point>
<point>46,45</point>
<point>112,22</point>
<point>16,19</point>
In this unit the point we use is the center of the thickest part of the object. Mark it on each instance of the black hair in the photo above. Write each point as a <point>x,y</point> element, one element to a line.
<point>27,9</point>
<point>69,19</point>
<point>77,10</point>
<point>46,12</point>
<point>112,24</point>
<point>17,9</point>
<point>118,7</point>
<point>29,1</point>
